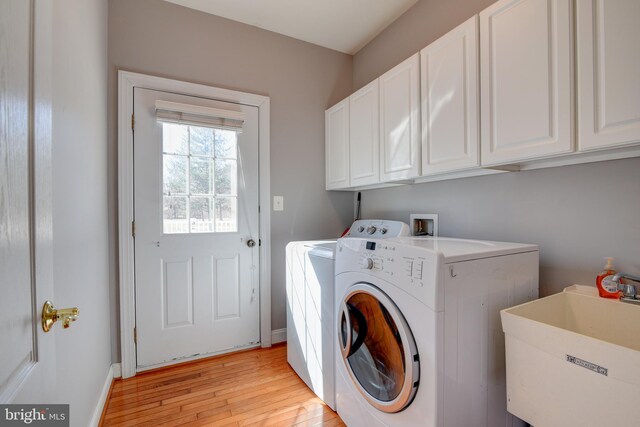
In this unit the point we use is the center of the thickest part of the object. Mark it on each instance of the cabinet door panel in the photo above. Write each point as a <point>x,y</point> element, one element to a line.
<point>608,73</point>
<point>399,121</point>
<point>364,135</point>
<point>337,146</point>
<point>525,80</point>
<point>449,94</point>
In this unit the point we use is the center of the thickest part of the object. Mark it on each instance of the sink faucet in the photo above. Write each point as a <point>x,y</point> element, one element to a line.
<point>629,292</point>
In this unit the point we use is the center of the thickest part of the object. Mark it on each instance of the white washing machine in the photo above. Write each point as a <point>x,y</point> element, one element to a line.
<point>310,309</point>
<point>419,339</point>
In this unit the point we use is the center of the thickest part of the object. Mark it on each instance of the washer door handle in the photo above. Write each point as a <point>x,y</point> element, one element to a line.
<point>344,342</point>
<point>362,328</point>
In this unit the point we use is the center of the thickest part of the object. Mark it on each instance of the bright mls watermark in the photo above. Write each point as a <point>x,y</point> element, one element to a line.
<point>34,415</point>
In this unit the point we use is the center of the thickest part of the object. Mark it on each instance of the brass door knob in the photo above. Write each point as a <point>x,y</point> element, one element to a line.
<point>51,315</point>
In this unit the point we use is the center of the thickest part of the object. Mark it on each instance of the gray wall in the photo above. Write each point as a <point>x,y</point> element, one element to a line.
<point>302,80</point>
<point>423,23</point>
<point>80,223</point>
<point>577,214</point>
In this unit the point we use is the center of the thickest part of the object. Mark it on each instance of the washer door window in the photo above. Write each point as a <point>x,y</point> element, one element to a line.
<point>378,348</point>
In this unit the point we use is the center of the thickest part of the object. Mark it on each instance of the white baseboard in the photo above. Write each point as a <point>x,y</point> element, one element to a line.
<point>279,335</point>
<point>117,370</point>
<point>104,394</point>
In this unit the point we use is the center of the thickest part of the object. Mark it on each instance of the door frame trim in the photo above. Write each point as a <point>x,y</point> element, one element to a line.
<point>127,81</point>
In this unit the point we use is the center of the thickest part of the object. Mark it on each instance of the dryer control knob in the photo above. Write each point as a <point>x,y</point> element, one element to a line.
<point>367,263</point>
<point>361,229</point>
<point>371,229</point>
<point>383,231</point>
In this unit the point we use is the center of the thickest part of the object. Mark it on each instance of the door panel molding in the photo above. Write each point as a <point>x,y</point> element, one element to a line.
<point>127,81</point>
<point>169,271</point>
<point>17,242</point>
<point>226,305</point>
<point>33,378</point>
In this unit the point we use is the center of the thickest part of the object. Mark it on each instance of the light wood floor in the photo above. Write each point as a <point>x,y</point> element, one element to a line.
<point>251,388</point>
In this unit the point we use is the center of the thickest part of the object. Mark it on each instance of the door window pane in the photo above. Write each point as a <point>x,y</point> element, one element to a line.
<point>175,139</point>
<point>201,214</point>
<point>226,214</point>
<point>174,212</point>
<point>175,174</point>
<point>226,178</point>
<point>201,175</point>
<point>226,144</point>
<point>199,180</point>
<point>201,141</point>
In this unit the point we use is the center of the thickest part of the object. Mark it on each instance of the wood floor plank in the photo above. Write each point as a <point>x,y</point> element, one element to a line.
<point>254,387</point>
<point>232,377</point>
<point>201,366</point>
<point>293,416</point>
<point>151,383</point>
<point>315,419</point>
<point>300,404</point>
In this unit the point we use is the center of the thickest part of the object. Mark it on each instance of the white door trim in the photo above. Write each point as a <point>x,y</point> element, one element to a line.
<point>127,81</point>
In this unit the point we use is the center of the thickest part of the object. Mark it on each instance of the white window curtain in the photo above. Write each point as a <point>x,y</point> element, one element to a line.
<point>195,115</point>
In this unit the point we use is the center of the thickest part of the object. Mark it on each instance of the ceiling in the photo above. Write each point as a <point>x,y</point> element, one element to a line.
<point>342,25</point>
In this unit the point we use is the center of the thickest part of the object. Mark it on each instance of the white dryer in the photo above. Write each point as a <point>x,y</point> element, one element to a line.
<point>310,328</point>
<point>419,339</point>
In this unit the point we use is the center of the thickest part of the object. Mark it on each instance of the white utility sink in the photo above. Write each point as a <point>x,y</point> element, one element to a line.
<point>573,359</point>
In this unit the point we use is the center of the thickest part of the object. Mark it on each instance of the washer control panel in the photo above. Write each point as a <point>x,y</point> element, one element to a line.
<point>399,264</point>
<point>382,257</point>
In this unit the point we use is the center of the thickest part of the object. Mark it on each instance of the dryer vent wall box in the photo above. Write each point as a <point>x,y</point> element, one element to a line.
<point>443,364</point>
<point>424,225</point>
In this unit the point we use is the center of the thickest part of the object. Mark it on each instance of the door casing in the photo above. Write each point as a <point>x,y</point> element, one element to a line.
<point>127,81</point>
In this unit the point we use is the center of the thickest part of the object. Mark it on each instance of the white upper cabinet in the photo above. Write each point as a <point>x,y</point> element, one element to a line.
<point>449,95</point>
<point>399,121</point>
<point>364,140</point>
<point>608,71</point>
<point>526,80</point>
<point>336,121</point>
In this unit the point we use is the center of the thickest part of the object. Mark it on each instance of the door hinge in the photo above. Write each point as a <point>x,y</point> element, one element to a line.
<point>135,335</point>
<point>259,242</point>
<point>133,229</point>
<point>133,122</point>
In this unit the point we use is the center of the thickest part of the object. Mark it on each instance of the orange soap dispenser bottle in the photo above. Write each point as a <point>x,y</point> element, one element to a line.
<point>604,291</point>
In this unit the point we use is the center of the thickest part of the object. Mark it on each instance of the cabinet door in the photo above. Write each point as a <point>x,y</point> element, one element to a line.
<point>399,121</point>
<point>526,96</point>
<point>336,122</point>
<point>608,73</point>
<point>449,95</point>
<point>364,135</point>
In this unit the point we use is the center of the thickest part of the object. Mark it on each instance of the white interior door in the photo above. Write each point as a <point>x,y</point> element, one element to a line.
<point>196,231</point>
<point>27,356</point>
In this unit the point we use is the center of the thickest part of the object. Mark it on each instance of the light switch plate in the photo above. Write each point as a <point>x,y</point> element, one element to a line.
<point>278,203</point>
